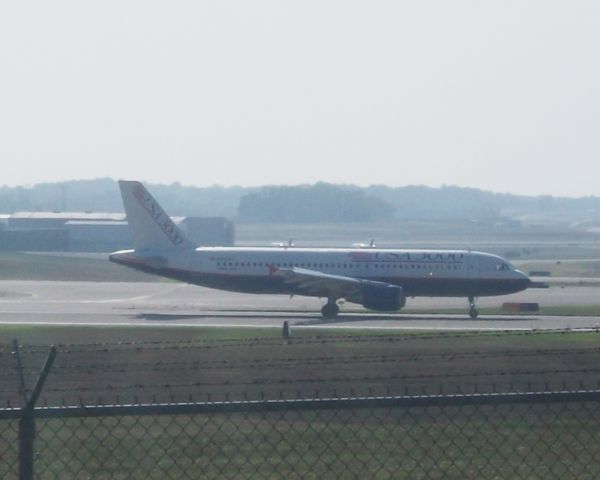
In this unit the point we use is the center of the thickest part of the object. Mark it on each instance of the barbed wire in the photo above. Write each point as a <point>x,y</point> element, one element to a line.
<point>316,380</point>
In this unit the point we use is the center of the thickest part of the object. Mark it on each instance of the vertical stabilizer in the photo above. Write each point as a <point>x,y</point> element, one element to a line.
<point>150,226</point>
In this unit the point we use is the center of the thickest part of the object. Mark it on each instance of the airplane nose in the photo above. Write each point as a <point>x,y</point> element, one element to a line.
<point>523,279</point>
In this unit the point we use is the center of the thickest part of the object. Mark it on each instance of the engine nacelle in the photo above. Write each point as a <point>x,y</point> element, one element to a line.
<point>383,298</point>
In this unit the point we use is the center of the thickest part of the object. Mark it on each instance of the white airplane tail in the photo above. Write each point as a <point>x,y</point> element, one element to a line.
<point>151,228</point>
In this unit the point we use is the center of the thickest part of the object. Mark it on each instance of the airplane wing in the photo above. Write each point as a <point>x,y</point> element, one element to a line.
<point>319,284</point>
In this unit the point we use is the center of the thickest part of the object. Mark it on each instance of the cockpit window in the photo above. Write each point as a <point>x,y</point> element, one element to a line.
<point>503,267</point>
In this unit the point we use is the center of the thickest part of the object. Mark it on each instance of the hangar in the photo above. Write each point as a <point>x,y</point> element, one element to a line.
<point>96,232</point>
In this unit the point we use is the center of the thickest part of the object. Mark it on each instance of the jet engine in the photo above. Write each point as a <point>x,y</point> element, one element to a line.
<point>383,298</point>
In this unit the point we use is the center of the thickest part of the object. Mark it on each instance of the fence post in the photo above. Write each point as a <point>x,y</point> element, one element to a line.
<point>26,437</point>
<point>286,329</point>
<point>27,421</point>
<point>19,371</point>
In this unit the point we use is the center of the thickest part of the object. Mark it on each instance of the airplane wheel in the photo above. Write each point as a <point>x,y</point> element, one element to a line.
<point>473,313</point>
<point>330,310</point>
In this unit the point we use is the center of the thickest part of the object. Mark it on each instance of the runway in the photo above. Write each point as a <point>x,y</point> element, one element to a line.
<point>173,304</point>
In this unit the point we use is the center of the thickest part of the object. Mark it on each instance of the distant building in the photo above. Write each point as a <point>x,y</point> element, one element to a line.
<point>34,240</point>
<point>97,236</point>
<point>96,232</point>
<point>208,231</point>
<point>39,220</point>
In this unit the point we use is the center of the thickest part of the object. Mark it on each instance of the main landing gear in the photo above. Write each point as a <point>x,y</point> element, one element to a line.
<point>473,312</point>
<point>330,309</point>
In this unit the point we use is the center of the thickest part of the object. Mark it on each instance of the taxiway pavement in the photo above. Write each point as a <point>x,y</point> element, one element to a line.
<point>173,304</point>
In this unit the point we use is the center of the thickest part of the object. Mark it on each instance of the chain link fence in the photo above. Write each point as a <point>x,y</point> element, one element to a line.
<point>438,407</point>
<point>488,436</point>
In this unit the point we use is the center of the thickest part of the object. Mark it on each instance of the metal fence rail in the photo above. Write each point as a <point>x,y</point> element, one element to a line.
<point>521,435</point>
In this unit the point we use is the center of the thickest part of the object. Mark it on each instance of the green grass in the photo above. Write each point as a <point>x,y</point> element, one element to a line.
<point>513,441</point>
<point>46,335</point>
<point>510,441</point>
<point>28,266</point>
<point>127,364</point>
<point>163,361</point>
<point>65,334</point>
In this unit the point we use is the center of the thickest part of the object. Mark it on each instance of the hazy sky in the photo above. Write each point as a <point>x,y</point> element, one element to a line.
<point>501,95</point>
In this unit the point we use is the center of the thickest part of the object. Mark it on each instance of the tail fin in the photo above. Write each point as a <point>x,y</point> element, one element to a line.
<point>151,228</point>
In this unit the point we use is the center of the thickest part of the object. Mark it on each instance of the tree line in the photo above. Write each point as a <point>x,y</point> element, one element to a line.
<point>321,202</point>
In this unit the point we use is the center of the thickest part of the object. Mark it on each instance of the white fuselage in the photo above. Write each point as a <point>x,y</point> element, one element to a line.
<point>254,270</point>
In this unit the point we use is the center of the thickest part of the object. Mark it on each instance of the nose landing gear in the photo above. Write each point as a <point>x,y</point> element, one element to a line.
<point>473,312</point>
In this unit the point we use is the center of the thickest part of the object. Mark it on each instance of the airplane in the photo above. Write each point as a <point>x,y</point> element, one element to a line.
<point>379,279</point>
